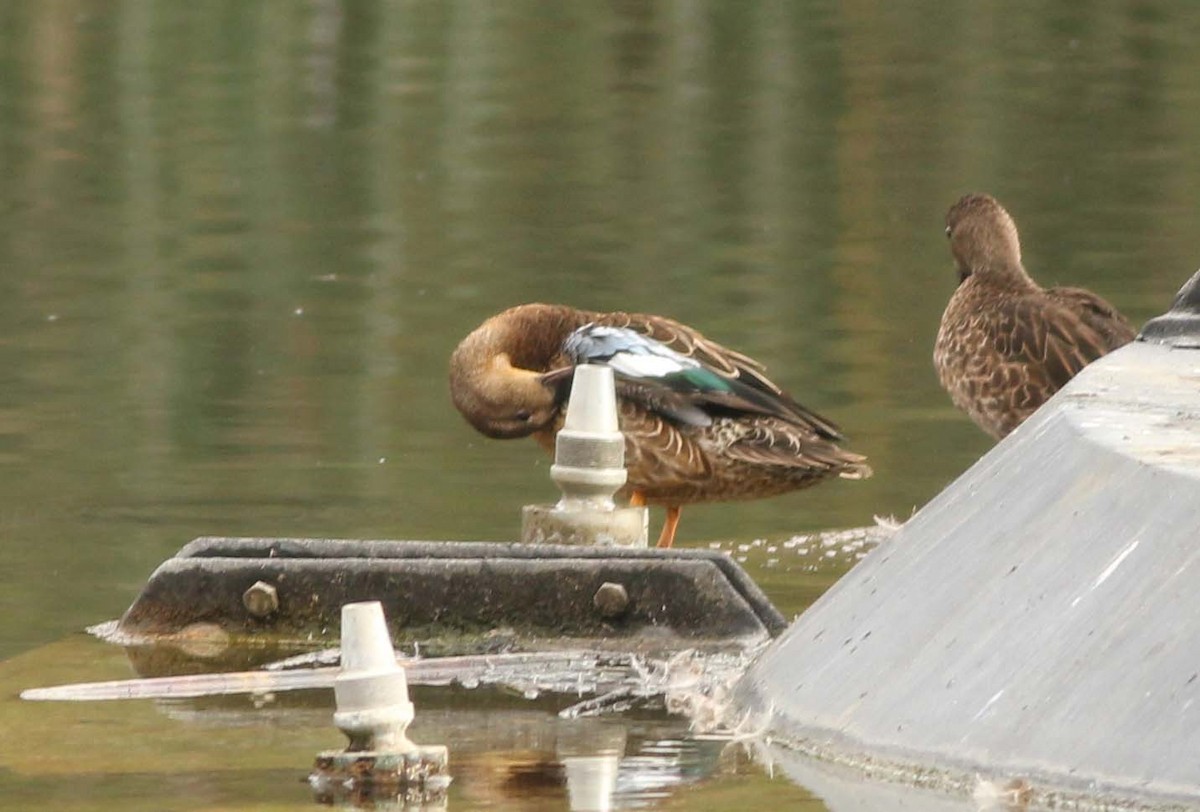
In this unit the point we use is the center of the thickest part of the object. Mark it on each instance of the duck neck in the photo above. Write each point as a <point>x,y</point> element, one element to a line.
<point>1009,275</point>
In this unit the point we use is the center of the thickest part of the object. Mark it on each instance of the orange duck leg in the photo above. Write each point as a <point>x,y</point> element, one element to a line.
<point>667,537</point>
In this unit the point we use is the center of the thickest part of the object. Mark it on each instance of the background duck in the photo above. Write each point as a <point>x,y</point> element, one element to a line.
<point>701,422</point>
<point>1006,344</point>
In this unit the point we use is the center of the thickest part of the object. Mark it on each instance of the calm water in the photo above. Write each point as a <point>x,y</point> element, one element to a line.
<point>239,240</point>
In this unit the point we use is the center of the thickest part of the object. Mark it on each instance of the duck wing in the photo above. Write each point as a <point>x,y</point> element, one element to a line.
<point>689,342</point>
<point>670,383</point>
<point>1053,337</point>
<point>771,442</point>
<point>724,363</point>
<point>1097,313</point>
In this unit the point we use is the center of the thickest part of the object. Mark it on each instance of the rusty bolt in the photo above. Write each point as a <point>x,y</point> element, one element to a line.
<point>261,599</point>
<point>611,600</point>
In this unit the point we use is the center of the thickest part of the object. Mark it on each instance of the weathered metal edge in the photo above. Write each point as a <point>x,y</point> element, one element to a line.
<point>295,547</point>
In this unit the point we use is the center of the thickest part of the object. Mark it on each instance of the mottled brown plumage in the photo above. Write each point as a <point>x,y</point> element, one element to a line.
<point>506,379</point>
<point>1006,344</point>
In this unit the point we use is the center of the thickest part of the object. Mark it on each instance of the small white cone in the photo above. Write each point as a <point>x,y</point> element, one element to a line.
<point>366,644</point>
<point>592,408</point>
<point>371,691</point>
<point>589,469</point>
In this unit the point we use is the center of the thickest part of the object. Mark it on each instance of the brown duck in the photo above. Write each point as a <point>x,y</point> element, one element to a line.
<point>701,422</point>
<point>1006,344</point>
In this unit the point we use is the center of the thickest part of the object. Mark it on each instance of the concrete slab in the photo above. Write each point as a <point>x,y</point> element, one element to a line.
<point>1039,620</point>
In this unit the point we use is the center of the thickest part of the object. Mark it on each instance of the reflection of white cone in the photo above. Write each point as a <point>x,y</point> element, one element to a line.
<point>591,781</point>
<point>591,751</point>
<point>371,691</point>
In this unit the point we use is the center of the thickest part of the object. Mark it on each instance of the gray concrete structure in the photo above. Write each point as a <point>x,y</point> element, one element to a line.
<point>1037,622</point>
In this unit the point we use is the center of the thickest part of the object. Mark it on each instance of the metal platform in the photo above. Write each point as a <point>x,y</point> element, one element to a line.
<point>450,597</point>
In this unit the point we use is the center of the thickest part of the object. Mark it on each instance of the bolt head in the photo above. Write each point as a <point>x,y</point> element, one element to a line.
<point>611,600</point>
<point>261,599</point>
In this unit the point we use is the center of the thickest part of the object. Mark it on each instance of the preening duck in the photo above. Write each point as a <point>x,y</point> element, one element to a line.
<point>701,422</point>
<point>1006,344</point>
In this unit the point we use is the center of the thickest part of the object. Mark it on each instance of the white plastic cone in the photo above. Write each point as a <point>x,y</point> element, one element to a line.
<point>592,408</point>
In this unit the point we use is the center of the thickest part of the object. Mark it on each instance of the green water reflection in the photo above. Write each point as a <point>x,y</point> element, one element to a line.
<point>238,241</point>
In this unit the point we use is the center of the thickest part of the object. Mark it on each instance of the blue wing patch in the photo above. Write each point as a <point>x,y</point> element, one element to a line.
<point>668,382</point>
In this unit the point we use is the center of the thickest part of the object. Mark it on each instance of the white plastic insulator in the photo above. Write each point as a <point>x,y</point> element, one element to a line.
<point>589,457</point>
<point>371,691</point>
<point>592,409</point>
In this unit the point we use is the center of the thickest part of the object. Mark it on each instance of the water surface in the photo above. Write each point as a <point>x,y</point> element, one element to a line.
<point>239,240</point>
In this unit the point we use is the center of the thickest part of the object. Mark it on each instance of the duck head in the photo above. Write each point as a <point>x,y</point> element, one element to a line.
<point>983,238</point>
<point>493,385</point>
